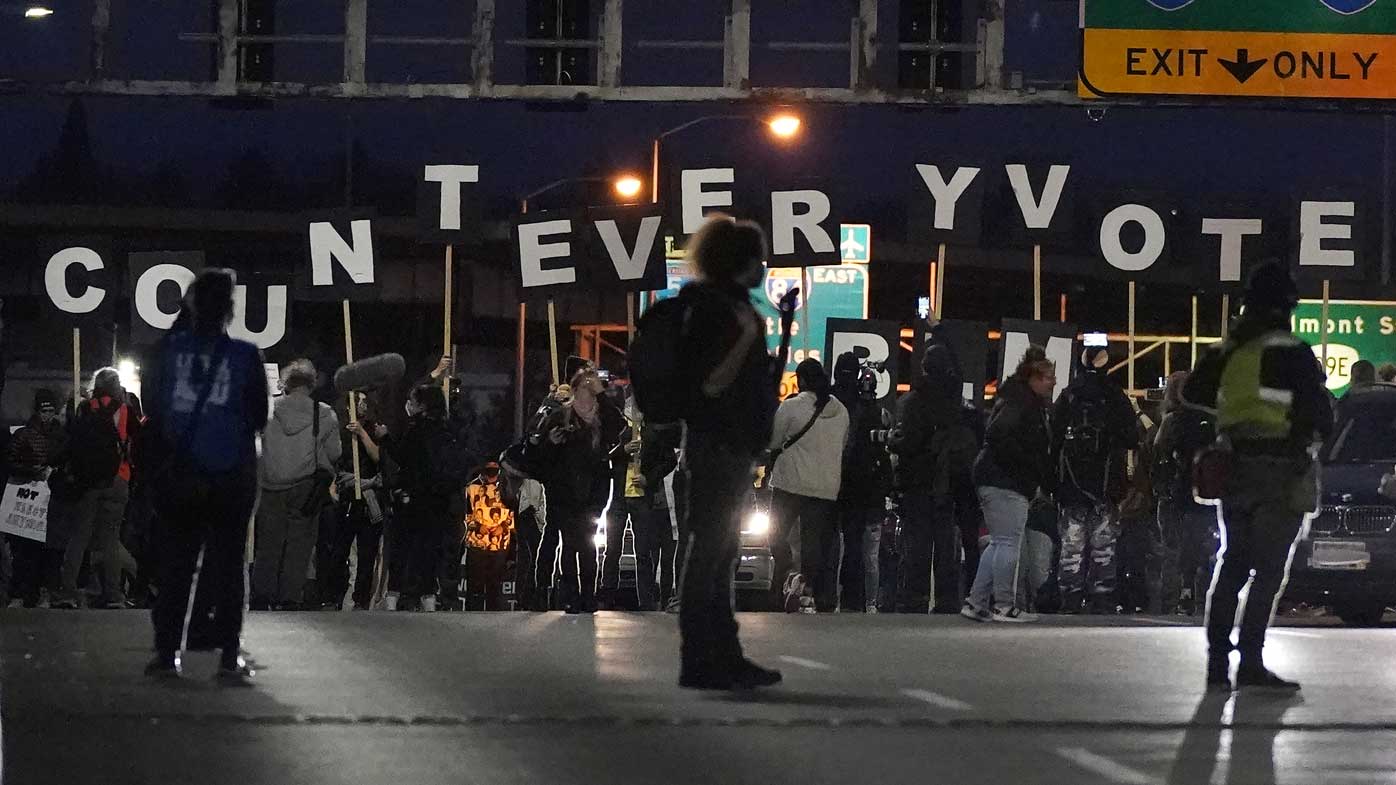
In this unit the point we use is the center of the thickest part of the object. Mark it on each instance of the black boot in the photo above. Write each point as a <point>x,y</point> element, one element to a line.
<point>1219,673</point>
<point>1257,676</point>
<point>233,670</point>
<point>748,675</point>
<point>165,665</point>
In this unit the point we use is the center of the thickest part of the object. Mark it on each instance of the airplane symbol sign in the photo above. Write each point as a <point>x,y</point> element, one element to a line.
<point>855,243</point>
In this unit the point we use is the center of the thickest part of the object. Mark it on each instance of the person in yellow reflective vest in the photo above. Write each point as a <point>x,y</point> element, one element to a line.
<point>1267,392</point>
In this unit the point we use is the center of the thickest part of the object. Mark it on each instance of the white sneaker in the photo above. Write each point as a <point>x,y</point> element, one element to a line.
<point>975,614</point>
<point>429,604</point>
<point>807,605</point>
<point>794,592</point>
<point>390,601</point>
<point>1013,616</point>
<point>870,609</point>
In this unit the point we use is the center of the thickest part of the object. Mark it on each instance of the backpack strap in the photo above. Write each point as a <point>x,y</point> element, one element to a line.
<point>818,410</point>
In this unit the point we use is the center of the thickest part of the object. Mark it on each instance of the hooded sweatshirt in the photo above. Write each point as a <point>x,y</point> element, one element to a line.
<point>289,454</point>
<point>813,466</point>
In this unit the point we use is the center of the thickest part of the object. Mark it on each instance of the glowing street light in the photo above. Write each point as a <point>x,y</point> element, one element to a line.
<point>784,126</point>
<point>37,12</point>
<point>628,186</point>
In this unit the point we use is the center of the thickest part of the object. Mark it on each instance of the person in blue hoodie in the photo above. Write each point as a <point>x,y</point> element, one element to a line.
<point>207,404</point>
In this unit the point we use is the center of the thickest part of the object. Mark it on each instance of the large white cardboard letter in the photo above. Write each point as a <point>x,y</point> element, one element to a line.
<point>1313,230</point>
<point>946,194</point>
<point>1113,249</point>
<point>629,265</point>
<point>696,201</point>
<point>56,284</point>
<point>451,176</point>
<point>275,329</point>
<point>784,221</point>
<point>148,286</point>
<point>1232,232</point>
<point>532,252</point>
<point>1037,214</point>
<point>327,247</point>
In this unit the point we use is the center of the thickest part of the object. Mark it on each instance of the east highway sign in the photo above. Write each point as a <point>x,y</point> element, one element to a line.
<point>1324,49</point>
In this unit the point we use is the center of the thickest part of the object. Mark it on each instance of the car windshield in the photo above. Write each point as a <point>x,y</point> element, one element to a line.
<point>1366,434</point>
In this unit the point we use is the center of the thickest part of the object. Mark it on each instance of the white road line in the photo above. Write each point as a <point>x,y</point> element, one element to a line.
<point>814,665</point>
<point>1109,769</point>
<point>938,700</point>
<point>1296,633</point>
<point>1166,622</point>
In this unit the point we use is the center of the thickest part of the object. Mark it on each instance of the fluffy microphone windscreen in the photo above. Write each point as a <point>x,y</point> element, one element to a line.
<point>369,373</point>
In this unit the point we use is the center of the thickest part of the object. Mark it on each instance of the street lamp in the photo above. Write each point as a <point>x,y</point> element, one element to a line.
<point>628,186</point>
<point>37,12</point>
<point>783,125</point>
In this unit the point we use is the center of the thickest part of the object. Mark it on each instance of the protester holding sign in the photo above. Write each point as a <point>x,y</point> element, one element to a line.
<point>34,451</point>
<point>207,402</point>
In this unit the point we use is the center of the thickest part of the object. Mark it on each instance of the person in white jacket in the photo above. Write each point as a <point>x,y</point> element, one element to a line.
<point>806,473</point>
<point>293,449</point>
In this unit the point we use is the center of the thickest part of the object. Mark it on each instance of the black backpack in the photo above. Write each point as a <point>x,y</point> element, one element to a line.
<point>663,390</point>
<point>95,448</point>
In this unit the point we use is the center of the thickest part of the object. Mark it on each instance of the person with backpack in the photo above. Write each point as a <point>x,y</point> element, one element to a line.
<point>100,469</point>
<point>1185,527</point>
<point>867,470</point>
<point>1013,466</point>
<point>1093,430</point>
<point>1267,392</point>
<point>422,501</point>
<point>935,449</point>
<point>700,358</point>
<point>206,403</point>
<point>578,439</point>
<point>299,451</point>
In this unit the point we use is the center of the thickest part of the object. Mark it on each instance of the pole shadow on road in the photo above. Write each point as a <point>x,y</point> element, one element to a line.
<point>1256,721</point>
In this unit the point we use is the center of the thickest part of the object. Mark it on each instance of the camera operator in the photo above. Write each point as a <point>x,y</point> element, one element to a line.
<point>935,448</point>
<point>866,475</point>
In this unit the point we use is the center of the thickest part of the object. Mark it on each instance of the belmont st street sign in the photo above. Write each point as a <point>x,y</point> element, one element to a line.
<point>1257,48</point>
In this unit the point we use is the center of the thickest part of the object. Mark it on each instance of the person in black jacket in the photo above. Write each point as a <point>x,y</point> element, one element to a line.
<point>423,509</point>
<point>1014,464</point>
<point>863,494</point>
<point>1186,528</point>
<point>1093,429</point>
<point>1267,392</point>
<point>579,440</point>
<point>935,449</point>
<point>729,422</point>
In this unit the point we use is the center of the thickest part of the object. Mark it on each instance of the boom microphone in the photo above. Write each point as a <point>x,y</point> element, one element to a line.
<point>369,373</point>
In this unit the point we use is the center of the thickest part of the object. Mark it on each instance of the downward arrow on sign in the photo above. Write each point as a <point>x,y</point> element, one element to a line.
<point>1243,67</point>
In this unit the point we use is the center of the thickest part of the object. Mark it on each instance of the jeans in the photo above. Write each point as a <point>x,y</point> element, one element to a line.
<point>818,553</point>
<point>862,539</point>
<point>930,543</point>
<point>201,544</point>
<point>1262,517</point>
<point>1006,514</point>
<point>1036,562</point>
<point>707,627</point>
<point>665,554</point>
<point>1184,538</point>
<point>651,527</point>
<point>284,545</point>
<point>1097,529</point>
<point>484,578</point>
<point>97,517</point>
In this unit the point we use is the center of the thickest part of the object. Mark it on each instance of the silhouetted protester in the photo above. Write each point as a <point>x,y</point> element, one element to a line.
<point>34,451</point>
<point>577,477</point>
<point>99,463</point>
<point>1271,405</point>
<point>359,522</point>
<point>935,450</point>
<point>867,471</point>
<point>1387,373</point>
<point>301,444</point>
<point>1185,526</point>
<point>426,488</point>
<point>206,400</point>
<point>729,424</point>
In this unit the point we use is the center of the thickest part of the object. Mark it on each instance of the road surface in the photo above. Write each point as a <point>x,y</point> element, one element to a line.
<point>546,698</point>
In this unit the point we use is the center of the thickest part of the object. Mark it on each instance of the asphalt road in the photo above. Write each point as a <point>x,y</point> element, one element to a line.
<point>544,698</point>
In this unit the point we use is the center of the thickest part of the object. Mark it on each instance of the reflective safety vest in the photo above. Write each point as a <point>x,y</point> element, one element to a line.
<point>1246,408</point>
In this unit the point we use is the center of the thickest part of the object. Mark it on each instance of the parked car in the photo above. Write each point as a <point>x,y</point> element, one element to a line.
<point>1347,558</point>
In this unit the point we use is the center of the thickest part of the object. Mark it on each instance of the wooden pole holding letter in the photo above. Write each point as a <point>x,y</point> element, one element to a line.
<point>446,331</point>
<point>1037,282</point>
<point>940,282</point>
<point>77,369</point>
<point>1323,319</point>
<point>1192,336</point>
<point>552,339</point>
<point>1131,337</point>
<point>1226,316</point>
<point>353,407</point>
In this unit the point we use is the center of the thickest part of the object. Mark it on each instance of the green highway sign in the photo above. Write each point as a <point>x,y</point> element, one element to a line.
<point>855,243</point>
<point>1357,330</point>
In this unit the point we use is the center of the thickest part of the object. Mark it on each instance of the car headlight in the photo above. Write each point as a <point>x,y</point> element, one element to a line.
<point>757,523</point>
<point>599,539</point>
